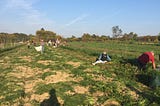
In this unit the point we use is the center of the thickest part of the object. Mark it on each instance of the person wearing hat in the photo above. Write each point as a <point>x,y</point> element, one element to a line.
<point>145,58</point>
<point>103,58</point>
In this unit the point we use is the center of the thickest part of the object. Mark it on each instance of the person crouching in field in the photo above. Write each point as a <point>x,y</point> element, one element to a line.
<point>103,58</point>
<point>145,58</point>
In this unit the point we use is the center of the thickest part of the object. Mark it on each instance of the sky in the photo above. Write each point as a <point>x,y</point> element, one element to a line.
<point>76,17</point>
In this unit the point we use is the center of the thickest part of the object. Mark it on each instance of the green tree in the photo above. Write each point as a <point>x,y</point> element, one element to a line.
<point>45,35</point>
<point>86,37</point>
<point>117,32</point>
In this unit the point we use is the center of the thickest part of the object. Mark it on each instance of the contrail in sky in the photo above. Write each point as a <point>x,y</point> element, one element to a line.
<point>77,19</point>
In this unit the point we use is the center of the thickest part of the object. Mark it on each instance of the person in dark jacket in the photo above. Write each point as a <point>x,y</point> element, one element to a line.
<point>103,58</point>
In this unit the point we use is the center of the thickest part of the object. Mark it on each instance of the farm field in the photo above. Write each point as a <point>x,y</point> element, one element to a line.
<point>65,76</point>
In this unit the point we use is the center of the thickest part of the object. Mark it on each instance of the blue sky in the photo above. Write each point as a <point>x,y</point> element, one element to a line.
<point>75,17</point>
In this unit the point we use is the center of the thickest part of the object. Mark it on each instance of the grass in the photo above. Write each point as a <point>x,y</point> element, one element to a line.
<point>28,77</point>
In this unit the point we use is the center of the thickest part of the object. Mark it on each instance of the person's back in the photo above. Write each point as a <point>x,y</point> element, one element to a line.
<point>146,58</point>
<point>42,43</point>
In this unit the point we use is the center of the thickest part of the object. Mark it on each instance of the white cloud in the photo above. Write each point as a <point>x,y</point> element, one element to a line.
<point>19,4</point>
<point>28,19</point>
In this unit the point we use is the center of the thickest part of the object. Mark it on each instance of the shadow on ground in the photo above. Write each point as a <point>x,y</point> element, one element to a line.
<point>52,101</point>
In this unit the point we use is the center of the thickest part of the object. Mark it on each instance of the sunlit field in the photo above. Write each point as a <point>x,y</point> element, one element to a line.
<point>65,76</point>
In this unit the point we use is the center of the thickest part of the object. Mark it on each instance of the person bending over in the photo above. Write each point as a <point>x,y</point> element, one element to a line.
<point>145,58</point>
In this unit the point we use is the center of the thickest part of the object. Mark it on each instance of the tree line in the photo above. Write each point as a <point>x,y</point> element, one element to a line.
<point>46,35</point>
<point>6,38</point>
<point>125,37</point>
<point>13,38</point>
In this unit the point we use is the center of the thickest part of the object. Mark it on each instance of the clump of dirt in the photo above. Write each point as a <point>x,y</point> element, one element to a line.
<point>98,93</point>
<point>101,78</point>
<point>87,70</point>
<point>60,100</point>
<point>1,61</point>
<point>77,79</point>
<point>25,72</point>
<point>29,85</point>
<point>133,94</point>
<point>111,103</point>
<point>45,62</point>
<point>39,98</point>
<point>1,97</point>
<point>74,64</point>
<point>81,89</point>
<point>7,58</point>
<point>70,92</point>
<point>47,70</point>
<point>98,78</point>
<point>58,77</point>
<point>5,61</point>
<point>26,58</point>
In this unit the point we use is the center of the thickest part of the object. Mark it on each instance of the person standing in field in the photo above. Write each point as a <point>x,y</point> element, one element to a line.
<point>42,46</point>
<point>103,58</point>
<point>145,58</point>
